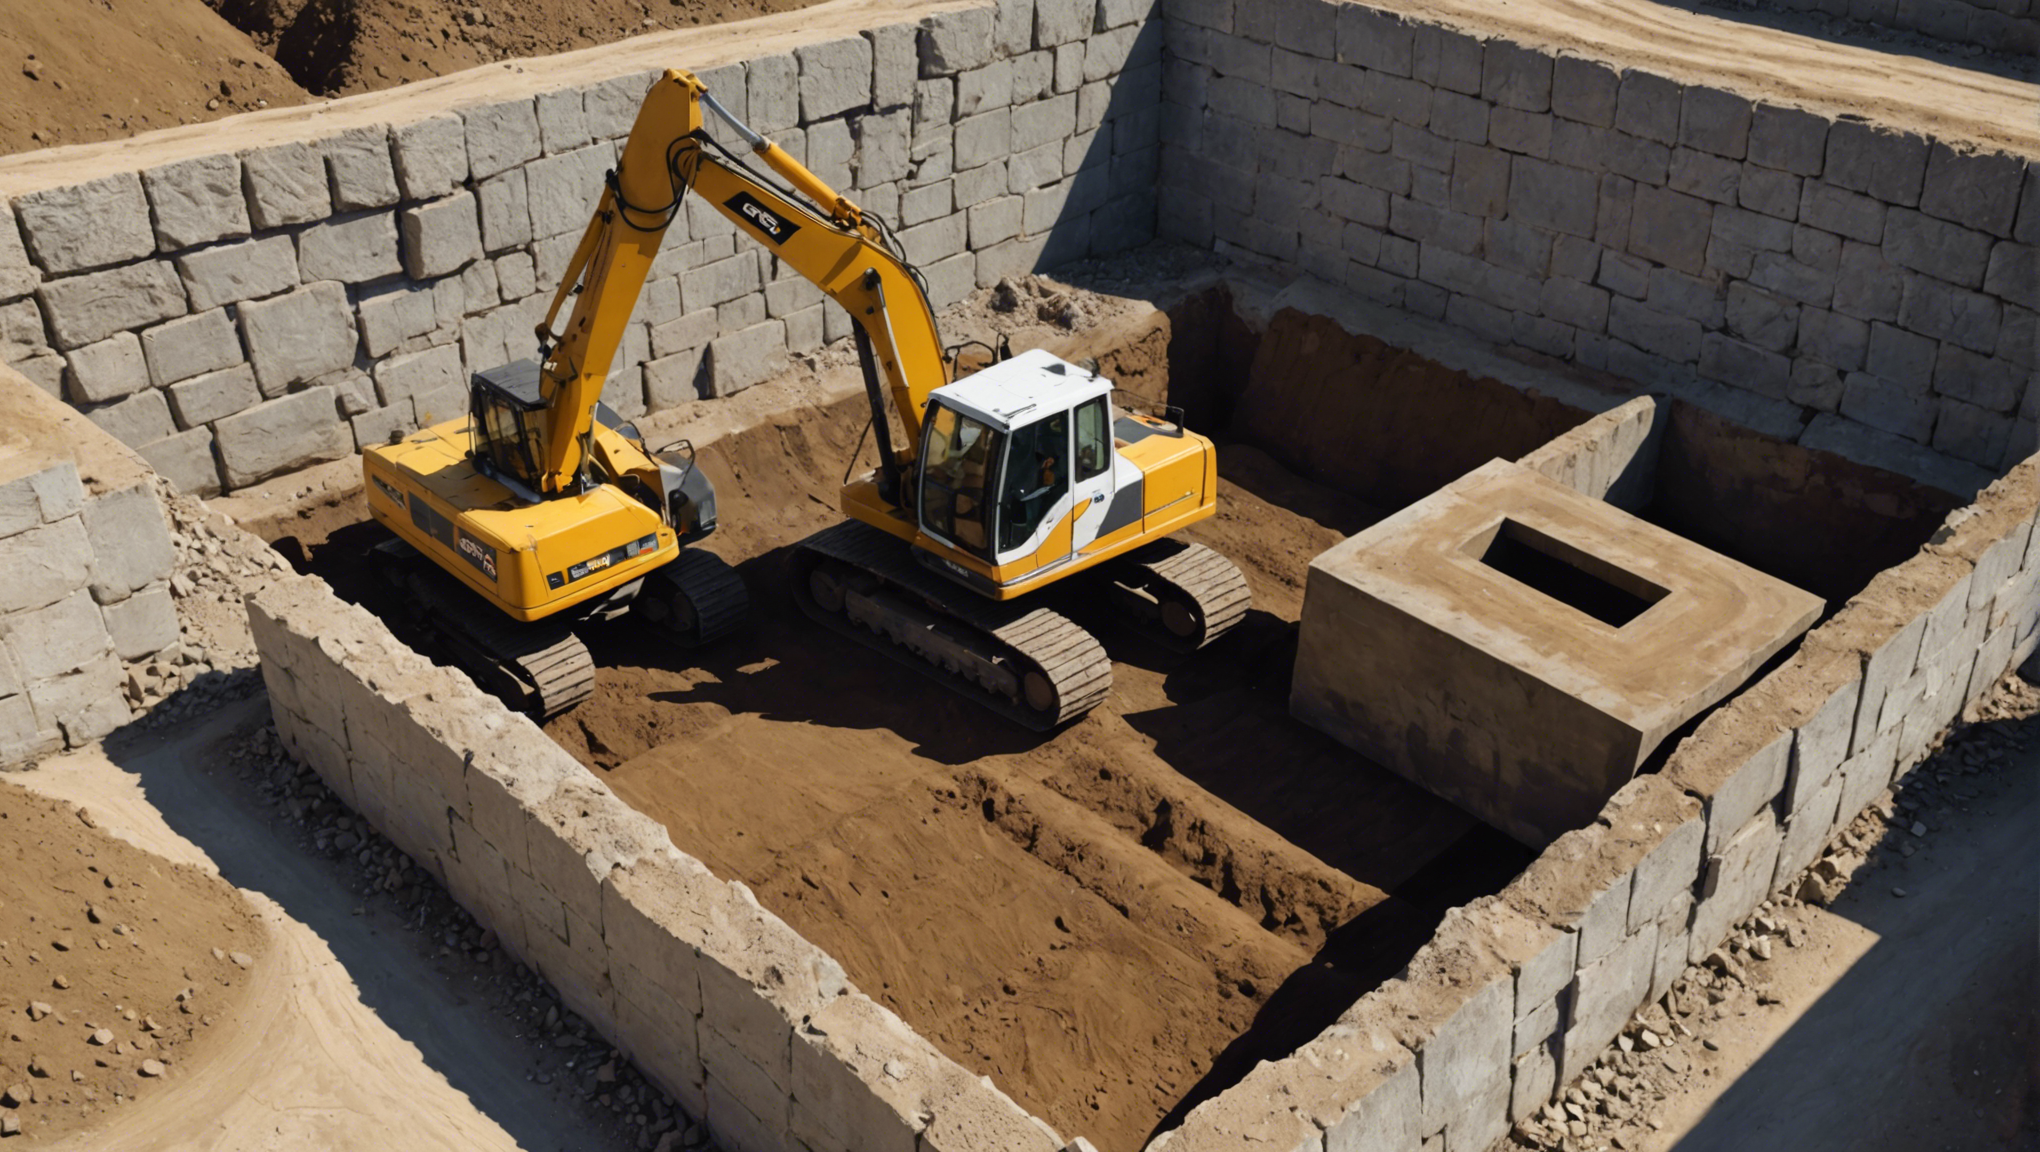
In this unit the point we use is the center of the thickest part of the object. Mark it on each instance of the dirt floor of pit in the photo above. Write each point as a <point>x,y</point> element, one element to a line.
<point>1112,922</point>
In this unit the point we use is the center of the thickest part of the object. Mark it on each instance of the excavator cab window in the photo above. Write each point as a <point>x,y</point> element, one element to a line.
<point>959,458</point>
<point>507,412</point>
<point>1036,478</point>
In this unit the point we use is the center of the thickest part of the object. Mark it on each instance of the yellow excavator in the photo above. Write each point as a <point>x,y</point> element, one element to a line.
<point>999,485</point>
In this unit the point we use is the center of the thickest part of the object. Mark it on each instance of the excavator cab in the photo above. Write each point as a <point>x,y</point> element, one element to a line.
<point>1018,462</point>
<point>508,416</point>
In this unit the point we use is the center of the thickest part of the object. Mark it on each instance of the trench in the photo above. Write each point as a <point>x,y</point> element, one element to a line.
<point>1117,921</point>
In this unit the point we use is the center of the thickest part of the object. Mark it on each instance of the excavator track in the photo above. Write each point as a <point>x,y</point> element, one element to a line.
<point>698,596</point>
<point>1030,664</point>
<point>1189,593</point>
<point>539,668</point>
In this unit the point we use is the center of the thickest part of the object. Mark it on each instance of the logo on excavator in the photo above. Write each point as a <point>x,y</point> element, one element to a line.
<point>482,556</point>
<point>775,229</point>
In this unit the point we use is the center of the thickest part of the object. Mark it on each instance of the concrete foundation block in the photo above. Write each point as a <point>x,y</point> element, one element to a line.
<point>1664,880</point>
<point>83,226</point>
<point>230,273</point>
<point>18,276</point>
<point>140,419</point>
<point>1460,1061</point>
<point>562,190</point>
<point>142,624</point>
<point>300,335</point>
<point>501,136</point>
<point>197,201</point>
<point>1674,932</point>
<point>1737,880</point>
<point>350,249</point>
<point>187,461</point>
<point>190,346</point>
<point>414,374</point>
<point>85,705</point>
<point>895,64</point>
<point>204,399</point>
<point>747,357</point>
<point>286,184</point>
<point>562,121</point>
<point>1534,1080</point>
<point>430,156</point>
<point>835,77</point>
<point>1604,996</point>
<point>1885,165</point>
<point>106,371</point>
<point>358,162</point>
<point>281,435</point>
<point>86,309</point>
<point>56,640</point>
<point>439,238</point>
<point>1806,831</point>
<point>45,563</point>
<point>1485,1119</point>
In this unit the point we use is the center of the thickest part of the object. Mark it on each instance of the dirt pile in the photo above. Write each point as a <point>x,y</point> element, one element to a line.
<point>114,966</point>
<point>340,47</point>
<point>75,71</point>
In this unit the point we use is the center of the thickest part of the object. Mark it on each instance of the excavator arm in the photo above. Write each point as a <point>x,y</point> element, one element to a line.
<point>817,231</point>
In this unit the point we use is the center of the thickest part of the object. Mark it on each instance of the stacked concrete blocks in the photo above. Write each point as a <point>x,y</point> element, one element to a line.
<point>2007,26</point>
<point>328,270</point>
<point>1828,281</point>
<point>749,1026</point>
<point>87,553</point>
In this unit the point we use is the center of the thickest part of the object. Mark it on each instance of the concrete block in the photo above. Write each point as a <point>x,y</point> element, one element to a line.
<point>1885,165</point>
<point>1062,21</point>
<point>1584,91</point>
<point>281,435</point>
<point>186,460</point>
<point>137,420</point>
<point>1705,175</point>
<point>190,346</point>
<point>1975,190</point>
<point>130,540</point>
<point>90,225</point>
<point>611,106</point>
<point>1459,1062</point>
<point>358,161</point>
<point>1675,338</point>
<point>350,249</point>
<point>441,237</point>
<point>197,201</point>
<point>1534,1079</point>
<point>87,309</point>
<point>1670,228</point>
<point>835,77</point>
<point>1517,131</point>
<point>108,370</point>
<point>772,92</point>
<point>18,277</point>
<point>1516,77</point>
<point>44,564</point>
<point>1715,121</point>
<point>1674,940</point>
<point>501,136</point>
<point>895,64</point>
<point>562,121</point>
<point>1766,321</point>
<point>1989,383</point>
<point>298,336</point>
<point>1935,247</point>
<point>505,210</point>
<point>1737,879</point>
<point>85,705</point>
<point>1945,312</point>
<point>740,359</point>
<point>1604,995</point>
<point>142,624</point>
<point>231,273</point>
<point>1967,432</point>
<point>204,399</point>
<point>1787,140</point>
<point>1788,277</point>
<point>1649,107</point>
<point>1552,196</point>
<point>57,638</point>
<point>1888,407</point>
<point>1664,878</point>
<point>430,156</point>
<point>286,184</point>
<point>1375,40</point>
<point>2014,273</point>
<point>1835,209</point>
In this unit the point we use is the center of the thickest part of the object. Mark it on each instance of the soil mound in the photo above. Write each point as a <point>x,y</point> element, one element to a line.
<point>113,964</point>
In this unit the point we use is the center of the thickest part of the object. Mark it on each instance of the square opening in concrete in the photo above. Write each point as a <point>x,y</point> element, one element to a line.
<point>1521,649</point>
<point>1579,580</point>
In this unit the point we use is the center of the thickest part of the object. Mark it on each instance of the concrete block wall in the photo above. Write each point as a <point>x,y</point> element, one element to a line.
<point>2007,26</point>
<point>749,1026</point>
<point>86,552</point>
<point>1518,993</point>
<point>237,316</point>
<point>1824,281</point>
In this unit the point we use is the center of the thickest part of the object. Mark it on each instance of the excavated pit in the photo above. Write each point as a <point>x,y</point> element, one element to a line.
<point>1119,920</point>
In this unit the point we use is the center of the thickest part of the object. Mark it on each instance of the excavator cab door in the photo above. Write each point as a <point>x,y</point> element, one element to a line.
<point>507,414</point>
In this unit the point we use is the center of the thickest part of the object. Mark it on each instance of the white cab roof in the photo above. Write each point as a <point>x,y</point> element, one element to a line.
<point>1017,392</point>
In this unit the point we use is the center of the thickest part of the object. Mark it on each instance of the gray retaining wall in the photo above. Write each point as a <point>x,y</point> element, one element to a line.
<point>1825,281</point>
<point>239,315</point>
<point>86,553</point>
<point>2007,26</point>
<point>750,1027</point>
